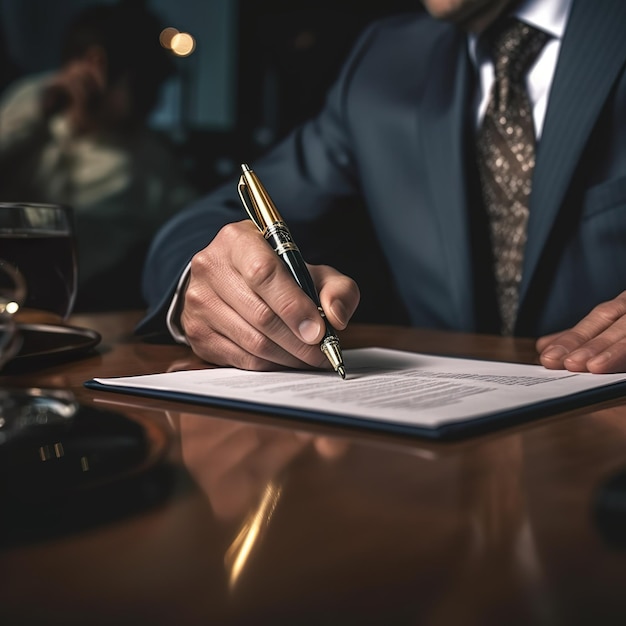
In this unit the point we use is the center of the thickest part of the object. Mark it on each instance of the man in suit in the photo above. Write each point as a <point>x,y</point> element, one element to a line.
<point>394,149</point>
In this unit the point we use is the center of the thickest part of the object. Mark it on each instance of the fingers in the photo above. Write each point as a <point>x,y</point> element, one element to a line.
<point>243,308</point>
<point>596,344</point>
<point>220,334</point>
<point>273,293</point>
<point>339,295</point>
<point>543,342</point>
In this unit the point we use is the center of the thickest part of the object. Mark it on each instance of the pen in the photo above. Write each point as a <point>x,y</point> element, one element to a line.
<point>267,219</point>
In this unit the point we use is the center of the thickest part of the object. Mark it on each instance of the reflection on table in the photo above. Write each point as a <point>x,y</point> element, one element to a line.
<point>258,519</point>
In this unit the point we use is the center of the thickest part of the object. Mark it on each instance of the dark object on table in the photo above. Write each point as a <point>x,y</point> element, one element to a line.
<point>45,344</point>
<point>65,466</point>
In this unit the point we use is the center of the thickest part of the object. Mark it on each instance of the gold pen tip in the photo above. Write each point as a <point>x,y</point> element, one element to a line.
<point>341,370</point>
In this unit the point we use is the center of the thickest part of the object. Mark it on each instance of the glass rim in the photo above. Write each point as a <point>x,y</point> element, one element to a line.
<point>36,205</point>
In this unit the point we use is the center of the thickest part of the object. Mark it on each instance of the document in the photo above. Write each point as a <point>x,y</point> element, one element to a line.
<point>385,389</point>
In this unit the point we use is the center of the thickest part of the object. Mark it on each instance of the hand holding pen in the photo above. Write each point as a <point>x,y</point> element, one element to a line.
<point>267,219</point>
<point>243,308</point>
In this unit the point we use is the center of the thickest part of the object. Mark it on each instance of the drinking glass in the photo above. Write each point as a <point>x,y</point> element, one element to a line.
<point>12,294</point>
<point>38,241</point>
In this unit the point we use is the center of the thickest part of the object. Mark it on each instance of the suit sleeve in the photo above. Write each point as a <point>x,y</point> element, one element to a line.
<point>311,176</point>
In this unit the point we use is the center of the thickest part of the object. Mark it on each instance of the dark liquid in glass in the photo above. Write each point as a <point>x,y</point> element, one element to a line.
<point>47,261</point>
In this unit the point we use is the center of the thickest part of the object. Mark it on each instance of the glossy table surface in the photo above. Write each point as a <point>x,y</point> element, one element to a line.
<point>238,518</point>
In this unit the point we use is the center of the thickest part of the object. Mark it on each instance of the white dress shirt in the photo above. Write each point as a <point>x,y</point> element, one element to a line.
<point>549,16</point>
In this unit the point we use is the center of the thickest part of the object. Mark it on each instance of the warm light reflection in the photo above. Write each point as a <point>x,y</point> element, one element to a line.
<point>10,307</point>
<point>183,44</point>
<point>166,36</point>
<point>239,551</point>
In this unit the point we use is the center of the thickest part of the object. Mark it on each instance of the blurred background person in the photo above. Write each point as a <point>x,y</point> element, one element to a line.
<point>79,136</point>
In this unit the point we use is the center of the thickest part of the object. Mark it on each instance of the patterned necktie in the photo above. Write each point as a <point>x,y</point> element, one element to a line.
<point>506,158</point>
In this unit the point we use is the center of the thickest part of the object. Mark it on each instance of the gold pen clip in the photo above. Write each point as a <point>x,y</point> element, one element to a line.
<point>257,201</point>
<point>244,194</point>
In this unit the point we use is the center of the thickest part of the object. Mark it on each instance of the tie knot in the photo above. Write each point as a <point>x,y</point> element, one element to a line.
<point>514,46</point>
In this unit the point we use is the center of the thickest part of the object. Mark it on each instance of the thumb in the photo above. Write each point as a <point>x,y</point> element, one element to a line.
<point>339,294</point>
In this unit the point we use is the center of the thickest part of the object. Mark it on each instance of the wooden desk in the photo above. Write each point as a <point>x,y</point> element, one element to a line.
<point>273,521</point>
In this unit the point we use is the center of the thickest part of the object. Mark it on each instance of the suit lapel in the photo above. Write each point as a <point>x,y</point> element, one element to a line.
<point>593,52</point>
<point>443,129</point>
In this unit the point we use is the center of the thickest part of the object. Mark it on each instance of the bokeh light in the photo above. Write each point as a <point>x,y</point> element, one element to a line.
<point>166,36</point>
<point>183,44</point>
<point>11,307</point>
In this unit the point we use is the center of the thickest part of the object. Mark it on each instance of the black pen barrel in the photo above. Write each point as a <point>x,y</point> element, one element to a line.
<point>293,260</point>
<point>265,216</point>
<point>296,265</point>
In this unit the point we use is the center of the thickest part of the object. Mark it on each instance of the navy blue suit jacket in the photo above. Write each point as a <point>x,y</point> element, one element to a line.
<point>391,155</point>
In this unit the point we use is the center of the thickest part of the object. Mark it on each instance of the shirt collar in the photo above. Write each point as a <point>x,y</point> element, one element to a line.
<point>547,15</point>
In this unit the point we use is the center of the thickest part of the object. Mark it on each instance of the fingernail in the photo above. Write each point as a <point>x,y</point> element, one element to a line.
<point>554,353</point>
<point>339,312</point>
<point>309,330</point>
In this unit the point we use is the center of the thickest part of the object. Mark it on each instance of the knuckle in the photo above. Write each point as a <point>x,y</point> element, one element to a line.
<point>193,301</point>
<point>609,311</point>
<point>193,295</point>
<point>264,317</point>
<point>577,336</point>
<point>206,348</point>
<point>199,301</point>
<point>291,308</point>
<point>260,345</point>
<point>196,332</point>
<point>229,232</point>
<point>204,262</point>
<point>237,236</point>
<point>260,271</point>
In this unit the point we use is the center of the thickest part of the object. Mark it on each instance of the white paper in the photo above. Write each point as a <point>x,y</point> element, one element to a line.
<point>383,385</point>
